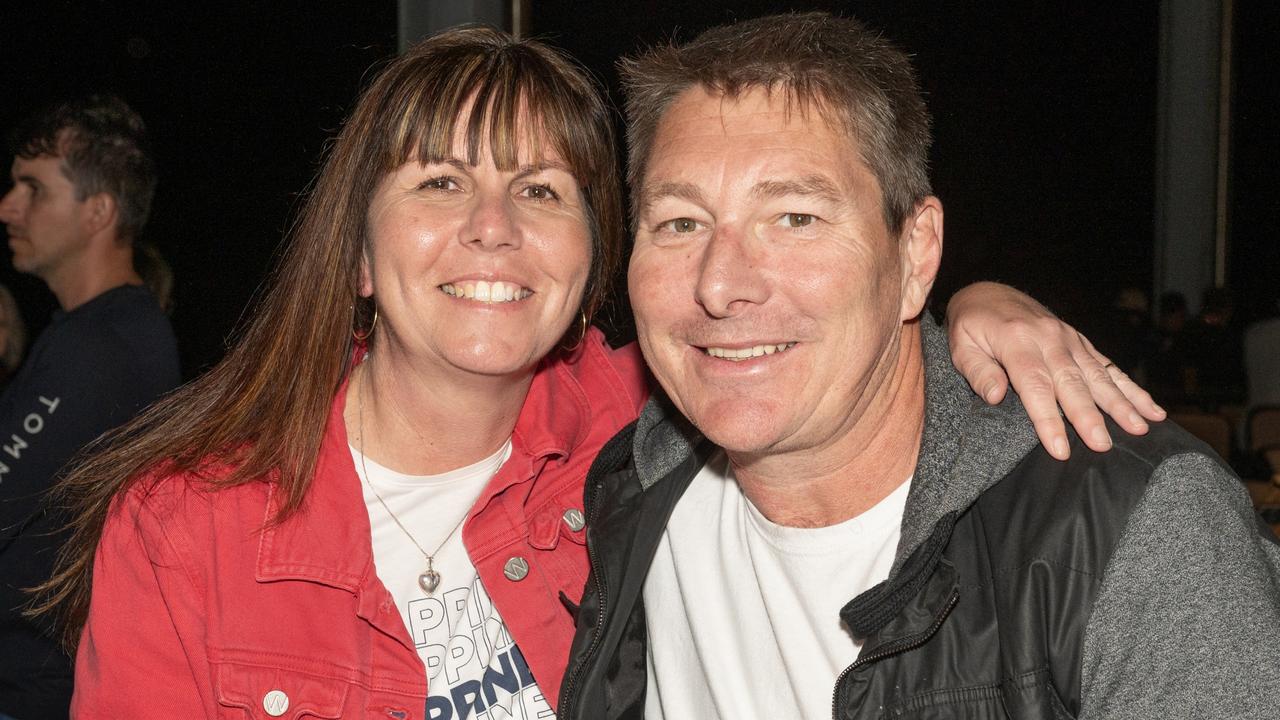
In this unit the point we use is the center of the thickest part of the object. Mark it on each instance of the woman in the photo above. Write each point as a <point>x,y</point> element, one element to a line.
<point>330,525</point>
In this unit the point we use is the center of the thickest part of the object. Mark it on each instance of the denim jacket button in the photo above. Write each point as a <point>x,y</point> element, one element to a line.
<point>275,703</point>
<point>516,569</point>
<point>574,519</point>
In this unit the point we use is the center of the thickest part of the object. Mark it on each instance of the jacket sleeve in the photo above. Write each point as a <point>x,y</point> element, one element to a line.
<point>1185,622</point>
<point>132,660</point>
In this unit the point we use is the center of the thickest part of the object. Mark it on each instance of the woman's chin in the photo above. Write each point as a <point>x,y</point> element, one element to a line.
<point>495,359</point>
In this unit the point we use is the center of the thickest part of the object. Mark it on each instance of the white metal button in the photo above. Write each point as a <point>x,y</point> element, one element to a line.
<point>275,703</point>
<point>516,569</point>
<point>574,519</point>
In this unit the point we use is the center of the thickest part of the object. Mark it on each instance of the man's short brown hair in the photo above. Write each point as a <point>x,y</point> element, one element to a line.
<point>851,75</point>
<point>104,148</point>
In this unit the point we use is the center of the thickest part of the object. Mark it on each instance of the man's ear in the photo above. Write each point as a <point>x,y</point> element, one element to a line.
<point>921,253</point>
<point>99,212</point>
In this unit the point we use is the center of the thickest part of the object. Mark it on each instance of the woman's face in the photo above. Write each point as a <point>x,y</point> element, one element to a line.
<point>476,269</point>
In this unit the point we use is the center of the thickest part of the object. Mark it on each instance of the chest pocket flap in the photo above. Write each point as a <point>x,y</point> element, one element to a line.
<point>250,691</point>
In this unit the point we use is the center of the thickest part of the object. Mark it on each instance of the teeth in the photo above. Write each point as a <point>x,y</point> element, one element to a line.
<point>486,291</point>
<point>740,354</point>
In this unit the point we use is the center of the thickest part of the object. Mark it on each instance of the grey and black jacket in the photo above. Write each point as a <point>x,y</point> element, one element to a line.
<point>1136,583</point>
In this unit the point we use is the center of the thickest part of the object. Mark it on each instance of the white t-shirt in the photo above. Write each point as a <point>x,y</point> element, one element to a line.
<point>474,668</point>
<point>743,615</point>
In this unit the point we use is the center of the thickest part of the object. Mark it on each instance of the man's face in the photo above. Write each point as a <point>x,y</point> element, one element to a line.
<point>769,294</point>
<point>47,225</point>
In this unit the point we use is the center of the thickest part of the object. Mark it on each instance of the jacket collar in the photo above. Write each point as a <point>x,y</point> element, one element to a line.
<point>966,446</point>
<point>328,539</point>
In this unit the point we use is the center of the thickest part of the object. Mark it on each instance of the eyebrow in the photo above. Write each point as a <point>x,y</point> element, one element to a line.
<point>533,168</point>
<point>679,190</point>
<point>522,171</point>
<point>809,185</point>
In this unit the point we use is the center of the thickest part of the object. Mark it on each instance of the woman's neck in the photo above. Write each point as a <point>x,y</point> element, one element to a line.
<point>418,422</point>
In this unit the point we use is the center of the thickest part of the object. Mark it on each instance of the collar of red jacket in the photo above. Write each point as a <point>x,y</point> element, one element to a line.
<point>328,539</point>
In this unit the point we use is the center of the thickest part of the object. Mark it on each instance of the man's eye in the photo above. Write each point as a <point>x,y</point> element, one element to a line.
<point>680,225</point>
<point>798,220</point>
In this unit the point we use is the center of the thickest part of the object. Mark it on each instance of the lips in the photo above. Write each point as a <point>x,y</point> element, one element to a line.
<point>487,291</point>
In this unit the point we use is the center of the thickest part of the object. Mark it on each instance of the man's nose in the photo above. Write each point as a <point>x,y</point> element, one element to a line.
<point>9,209</point>
<point>730,277</point>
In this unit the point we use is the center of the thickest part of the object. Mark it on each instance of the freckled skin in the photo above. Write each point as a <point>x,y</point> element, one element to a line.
<point>762,226</point>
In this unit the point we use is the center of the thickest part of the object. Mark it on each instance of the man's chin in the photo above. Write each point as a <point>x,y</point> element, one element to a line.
<point>740,431</point>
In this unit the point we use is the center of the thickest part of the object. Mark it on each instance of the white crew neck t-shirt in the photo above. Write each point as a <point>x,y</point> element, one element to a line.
<point>474,668</point>
<point>743,615</point>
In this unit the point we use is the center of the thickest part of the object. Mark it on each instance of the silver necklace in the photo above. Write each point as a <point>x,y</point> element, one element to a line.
<point>428,579</point>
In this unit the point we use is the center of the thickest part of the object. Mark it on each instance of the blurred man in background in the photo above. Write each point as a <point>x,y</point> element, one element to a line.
<point>83,181</point>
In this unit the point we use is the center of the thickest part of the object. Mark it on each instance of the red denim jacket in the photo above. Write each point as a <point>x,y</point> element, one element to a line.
<point>198,611</point>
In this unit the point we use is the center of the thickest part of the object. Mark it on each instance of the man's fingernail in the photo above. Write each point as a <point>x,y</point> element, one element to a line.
<point>1060,447</point>
<point>1100,437</point>
<point>1136,419</point>
<point>1159,410</point>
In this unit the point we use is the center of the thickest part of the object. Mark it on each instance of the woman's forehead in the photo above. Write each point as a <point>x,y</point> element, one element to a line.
<point>523,146</point>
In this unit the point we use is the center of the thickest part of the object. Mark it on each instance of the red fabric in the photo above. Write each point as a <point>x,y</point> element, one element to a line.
<point>197,609</point>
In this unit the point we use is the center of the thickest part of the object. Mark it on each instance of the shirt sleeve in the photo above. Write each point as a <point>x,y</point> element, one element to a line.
<point>131,662</point>
<point>1186,618</point>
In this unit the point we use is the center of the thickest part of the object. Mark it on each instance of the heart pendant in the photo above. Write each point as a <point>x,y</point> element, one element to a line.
<point>429,581</point>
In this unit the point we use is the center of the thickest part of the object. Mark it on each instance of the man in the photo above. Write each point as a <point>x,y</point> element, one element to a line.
<point>842,531</point>
<point>82,188</point>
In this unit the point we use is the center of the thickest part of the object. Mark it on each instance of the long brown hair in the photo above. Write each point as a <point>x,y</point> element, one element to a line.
<point>263,409</point>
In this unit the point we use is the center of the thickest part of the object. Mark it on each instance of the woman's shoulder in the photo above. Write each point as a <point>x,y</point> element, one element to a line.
<point>192,498</point>
<point>621,368</point>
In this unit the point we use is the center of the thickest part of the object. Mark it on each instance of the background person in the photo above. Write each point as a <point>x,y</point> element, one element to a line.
<point>83,181</point>
<point>377,494</point>
<point>13,336</point>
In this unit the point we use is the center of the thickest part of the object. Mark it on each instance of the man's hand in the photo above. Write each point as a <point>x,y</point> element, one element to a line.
<point>999,334</point>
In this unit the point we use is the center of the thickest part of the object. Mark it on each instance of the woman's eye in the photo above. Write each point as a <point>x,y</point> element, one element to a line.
<point>439,183</point>
<point>680,225</point>
<point>797,220</point>
<point>540,192</point>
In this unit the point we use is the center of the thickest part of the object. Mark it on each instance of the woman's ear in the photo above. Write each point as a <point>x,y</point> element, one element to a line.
<point>366,276</point>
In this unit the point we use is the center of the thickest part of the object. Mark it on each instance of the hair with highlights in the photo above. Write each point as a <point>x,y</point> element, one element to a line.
<point>853,77</point>
<point>103,146</point>
<point>263,409</point>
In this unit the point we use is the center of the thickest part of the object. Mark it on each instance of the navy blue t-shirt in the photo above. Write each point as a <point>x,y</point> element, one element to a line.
<point>90,371</point>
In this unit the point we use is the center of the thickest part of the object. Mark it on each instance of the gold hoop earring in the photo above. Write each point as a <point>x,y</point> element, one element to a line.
<point>582,334</point>
<point>368,333</point>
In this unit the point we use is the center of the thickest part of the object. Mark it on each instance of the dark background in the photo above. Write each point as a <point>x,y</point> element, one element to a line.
<point>1045,128</point>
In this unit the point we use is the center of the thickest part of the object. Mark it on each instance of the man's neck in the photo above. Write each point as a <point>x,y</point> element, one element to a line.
<point>817,487</point>
<point>75,284</point>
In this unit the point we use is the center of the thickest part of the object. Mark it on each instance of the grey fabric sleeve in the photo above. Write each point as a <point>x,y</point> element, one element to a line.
<point>1187,621</point>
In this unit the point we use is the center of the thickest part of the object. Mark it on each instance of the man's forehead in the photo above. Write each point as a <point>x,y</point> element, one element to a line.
<point>703,124</point>
<point>43,162</point>
<point>751,106</point>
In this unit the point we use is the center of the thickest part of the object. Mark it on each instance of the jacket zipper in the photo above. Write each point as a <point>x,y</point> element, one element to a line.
<point>893,648</point>
<point>566,691</point>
